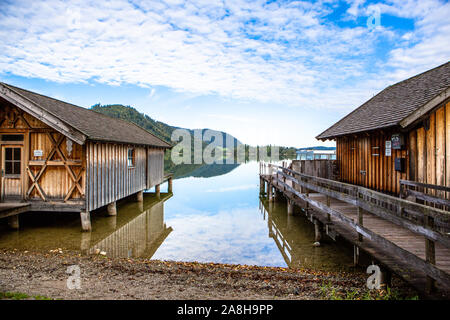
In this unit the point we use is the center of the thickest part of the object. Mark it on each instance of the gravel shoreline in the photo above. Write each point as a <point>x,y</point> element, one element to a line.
<point>44,274</point>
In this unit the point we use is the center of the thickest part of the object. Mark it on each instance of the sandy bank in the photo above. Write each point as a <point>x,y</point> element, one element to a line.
<point>104,278</point>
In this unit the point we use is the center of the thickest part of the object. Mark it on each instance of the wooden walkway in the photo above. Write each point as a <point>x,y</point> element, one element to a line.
<point>393,246</point>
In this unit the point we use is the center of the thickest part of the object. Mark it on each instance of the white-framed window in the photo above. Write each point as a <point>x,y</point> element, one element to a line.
<point>130,157</point>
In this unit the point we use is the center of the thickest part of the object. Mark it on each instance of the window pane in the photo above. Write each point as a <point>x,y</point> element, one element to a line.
<point>8,153</point>
<point>8,167</point>
<point>17,154</point>
<point>130,157</point>
<point>17,167</point>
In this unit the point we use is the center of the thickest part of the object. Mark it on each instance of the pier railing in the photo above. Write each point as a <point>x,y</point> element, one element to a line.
<point>430,194</point>
<point>431,223</point>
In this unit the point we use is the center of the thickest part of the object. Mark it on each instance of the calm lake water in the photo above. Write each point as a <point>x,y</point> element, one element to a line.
<point>209,218</point>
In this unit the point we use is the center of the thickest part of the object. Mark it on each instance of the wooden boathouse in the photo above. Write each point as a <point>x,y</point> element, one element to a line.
<point>389,194</point>
<point>402,133</point>
<point>56,156</point>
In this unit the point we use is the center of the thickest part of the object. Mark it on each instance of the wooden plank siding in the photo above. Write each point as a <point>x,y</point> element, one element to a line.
<point>426,154</point>
<point>432,156</point>
<point>55,180</point>
<point>109,175</point>
<point>362,161</point>
<point>155,167</point>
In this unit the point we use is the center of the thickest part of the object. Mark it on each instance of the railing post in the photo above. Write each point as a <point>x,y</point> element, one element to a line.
<point>430,255</point>
<point>317,233</point>
<point>329,206</point>
<point>360,222</point>
<point>355,255</point>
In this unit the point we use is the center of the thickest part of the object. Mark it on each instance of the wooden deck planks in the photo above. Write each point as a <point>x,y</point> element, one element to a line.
<point>402,237</point>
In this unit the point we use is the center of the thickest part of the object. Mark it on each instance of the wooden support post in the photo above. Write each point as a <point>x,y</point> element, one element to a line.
<point>290,207</point>
<point>261,186</point>
<point>430,255</point>
<point>355,255</point>
<point>270,191</point>
<point>158,191</point>
<point>329,206</point>
<point>169,185</point>
<point>307,203</point>
<point>13,222</point>
<point>360,222</point>
<point>317,232</point>
<point>111,208</point>
<point>140,196</point>
<point>85,221</point>
<point>277,195</point>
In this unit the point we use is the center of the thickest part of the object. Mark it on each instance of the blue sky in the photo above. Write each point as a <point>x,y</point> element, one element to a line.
<point>276,72</point>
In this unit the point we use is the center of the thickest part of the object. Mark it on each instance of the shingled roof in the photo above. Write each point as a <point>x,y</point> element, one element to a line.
<point>95,126</point>
<point>394,104</point>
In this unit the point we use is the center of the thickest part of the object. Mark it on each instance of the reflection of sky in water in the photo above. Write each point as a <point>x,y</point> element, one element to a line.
<point>214,219</point>
<point>217,220</point>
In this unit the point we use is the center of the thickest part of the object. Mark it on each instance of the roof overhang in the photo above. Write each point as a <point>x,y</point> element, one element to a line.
<point>41,114</point>
<point>430,105</point>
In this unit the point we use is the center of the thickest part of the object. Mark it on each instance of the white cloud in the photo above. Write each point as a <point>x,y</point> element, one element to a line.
<point>283,52</point>
<point>152,93</point>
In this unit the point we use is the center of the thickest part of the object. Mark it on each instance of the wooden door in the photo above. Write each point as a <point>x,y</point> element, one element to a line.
<point>362,161</point>
<point>11,172</point>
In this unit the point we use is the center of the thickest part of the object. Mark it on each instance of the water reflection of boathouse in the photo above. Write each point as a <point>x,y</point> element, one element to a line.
<point>139,236</point>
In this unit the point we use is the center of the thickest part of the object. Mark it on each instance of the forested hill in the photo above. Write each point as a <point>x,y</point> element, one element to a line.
<point>160,129</point>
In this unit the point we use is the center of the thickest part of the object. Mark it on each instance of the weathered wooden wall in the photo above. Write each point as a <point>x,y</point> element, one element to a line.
<point>425,153</point>
<point>362,160</point>
<point>429,150</point>
<point>155,167</point>
<point>318,168</point>
<point>56,169</point>
<point>108,176</point>
<point>56,181</point>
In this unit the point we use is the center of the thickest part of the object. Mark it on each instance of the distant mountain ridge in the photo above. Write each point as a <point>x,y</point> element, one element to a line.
<point>158,128</point>
<point>164,132</point>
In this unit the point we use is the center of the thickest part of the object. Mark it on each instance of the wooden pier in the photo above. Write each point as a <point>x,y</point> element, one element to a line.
<point>409,239</point>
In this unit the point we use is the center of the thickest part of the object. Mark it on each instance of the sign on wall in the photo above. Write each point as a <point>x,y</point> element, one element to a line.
<point>388,148</point>
<point>38,153</point>
<point>397,141</point>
